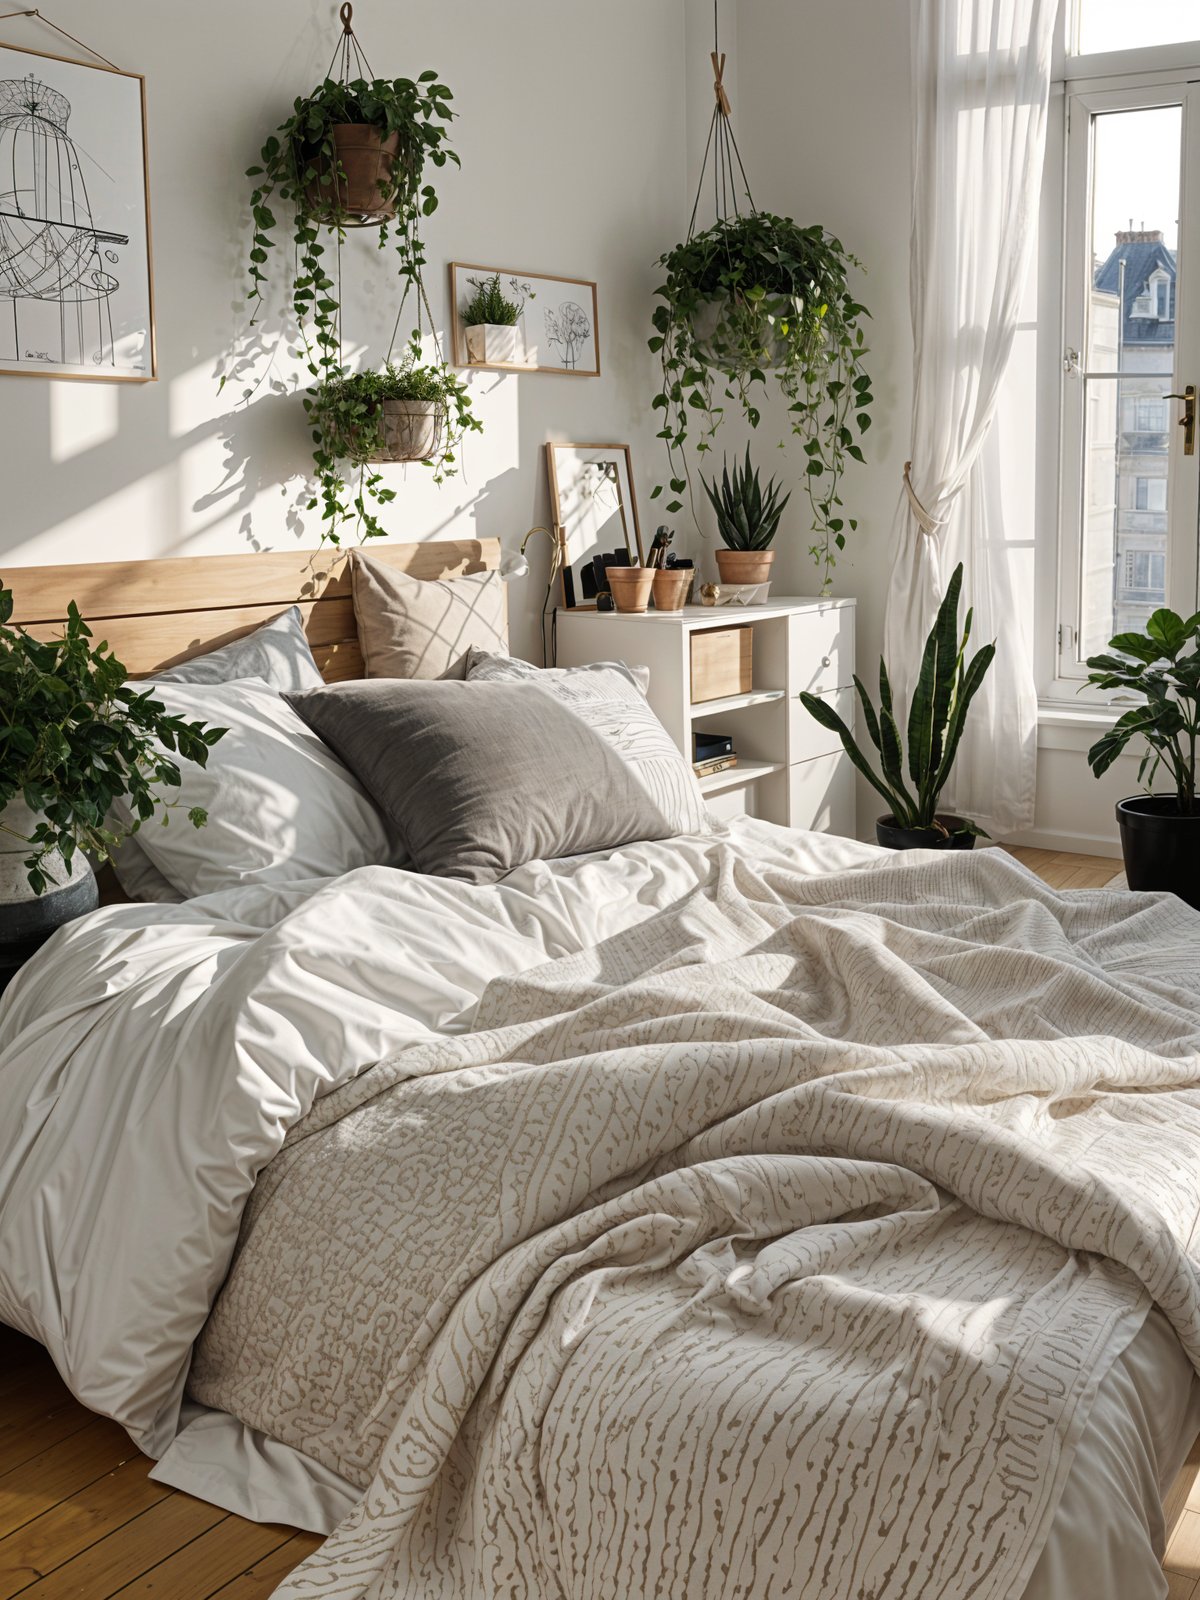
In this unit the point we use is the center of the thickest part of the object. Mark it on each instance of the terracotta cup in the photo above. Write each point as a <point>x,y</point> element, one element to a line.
<point>671,587</point>
<point>630,587</point>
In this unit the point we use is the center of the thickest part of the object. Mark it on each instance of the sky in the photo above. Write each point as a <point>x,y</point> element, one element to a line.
<point>1137,173</point>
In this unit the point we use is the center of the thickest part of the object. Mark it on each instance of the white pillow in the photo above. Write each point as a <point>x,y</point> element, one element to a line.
<point>281,806</point>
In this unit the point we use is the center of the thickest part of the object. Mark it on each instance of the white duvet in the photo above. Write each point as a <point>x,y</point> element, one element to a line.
<point>153,1059</point>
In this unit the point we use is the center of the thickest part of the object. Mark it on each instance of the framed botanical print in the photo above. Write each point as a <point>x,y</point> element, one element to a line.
<point>76,295</point>
<point>595,514</point>
<point>549,324</point>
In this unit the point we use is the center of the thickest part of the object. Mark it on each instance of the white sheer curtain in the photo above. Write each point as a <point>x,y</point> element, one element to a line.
<point>981,81</point>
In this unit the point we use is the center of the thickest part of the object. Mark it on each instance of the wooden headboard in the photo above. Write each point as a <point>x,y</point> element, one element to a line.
<point>157,613</point>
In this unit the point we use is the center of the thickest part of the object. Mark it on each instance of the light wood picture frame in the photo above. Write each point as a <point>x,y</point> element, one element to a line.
<point>594,509</point>
<point>558,331</point>
<point>76,270</point>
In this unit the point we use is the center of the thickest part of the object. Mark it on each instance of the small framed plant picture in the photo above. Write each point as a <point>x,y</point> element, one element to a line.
<point>512,321</point>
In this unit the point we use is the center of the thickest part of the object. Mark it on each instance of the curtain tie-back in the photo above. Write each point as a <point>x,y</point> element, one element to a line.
<point>927,523</point>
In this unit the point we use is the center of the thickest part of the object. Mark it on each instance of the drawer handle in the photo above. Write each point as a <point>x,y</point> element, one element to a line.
<point>826,661</point>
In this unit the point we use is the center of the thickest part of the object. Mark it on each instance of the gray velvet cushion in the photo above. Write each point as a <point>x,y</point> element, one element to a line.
<point>423,628</point>
<point>479,778</point>
<point>278,653</point>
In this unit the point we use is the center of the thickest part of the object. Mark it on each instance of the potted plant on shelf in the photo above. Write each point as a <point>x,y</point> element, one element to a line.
<point>492,324</point>
<point>351,154</point>
<point>754,301</point>
<point>747,520</point>
<point>74,736</point>
<point>414,412</point>
<point>1160,833</point>
<point>946,685</point>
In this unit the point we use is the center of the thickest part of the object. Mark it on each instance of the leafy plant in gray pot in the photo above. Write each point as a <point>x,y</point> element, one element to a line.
<point>946,685</point>
<point>1160,833</point>
<point>74,736</point>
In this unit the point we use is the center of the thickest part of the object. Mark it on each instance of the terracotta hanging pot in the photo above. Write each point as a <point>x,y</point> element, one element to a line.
<point>365,194</point>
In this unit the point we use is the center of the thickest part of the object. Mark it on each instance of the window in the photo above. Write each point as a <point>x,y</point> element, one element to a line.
<point>1105,25</point>
<point>1150,494</point>
<point>1149,414</point>
<point>1162,297</point>
<point>1145,573</point>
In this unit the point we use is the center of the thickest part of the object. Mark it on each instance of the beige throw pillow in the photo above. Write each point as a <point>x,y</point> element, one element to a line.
<point>415,628</point>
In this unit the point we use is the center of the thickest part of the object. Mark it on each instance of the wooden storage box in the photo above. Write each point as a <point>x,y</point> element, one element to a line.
<point>722,663</point>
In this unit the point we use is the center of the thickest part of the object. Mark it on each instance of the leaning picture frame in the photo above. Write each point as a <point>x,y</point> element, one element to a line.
<point>593,505</point>
<point>76,271</point>
<point>556,328</point>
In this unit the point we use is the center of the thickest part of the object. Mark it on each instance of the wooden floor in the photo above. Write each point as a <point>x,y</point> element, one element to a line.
<point>80,1519</point>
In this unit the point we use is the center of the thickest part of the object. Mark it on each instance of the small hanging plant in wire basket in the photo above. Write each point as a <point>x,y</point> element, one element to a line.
<point>752,302</point>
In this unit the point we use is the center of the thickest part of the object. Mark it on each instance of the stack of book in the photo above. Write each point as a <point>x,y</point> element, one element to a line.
<point>713,765</point>
<point>712,753</point>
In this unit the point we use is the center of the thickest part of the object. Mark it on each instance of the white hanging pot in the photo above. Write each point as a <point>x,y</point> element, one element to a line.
<point>28,919</point>
<point>494,344</point>
<point>411,430</point>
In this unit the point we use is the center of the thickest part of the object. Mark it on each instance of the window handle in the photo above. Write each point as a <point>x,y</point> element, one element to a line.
<point>1188,420</point>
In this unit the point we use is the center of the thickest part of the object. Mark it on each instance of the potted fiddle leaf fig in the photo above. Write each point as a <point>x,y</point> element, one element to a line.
<point>1160,833</point>
<point>74,737</point>
<point>747,520</point>
<point>753,304</point>
<point>946,685</point>
<point>492,323</point>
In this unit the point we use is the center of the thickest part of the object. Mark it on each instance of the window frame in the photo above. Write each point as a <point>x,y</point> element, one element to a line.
<point>1089,86</point>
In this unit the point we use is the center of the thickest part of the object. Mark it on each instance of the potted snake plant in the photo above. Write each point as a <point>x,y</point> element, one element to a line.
<point>747,520</point>
<point>946,685</point>
<point>74,737</point>
<point>1160,833</point>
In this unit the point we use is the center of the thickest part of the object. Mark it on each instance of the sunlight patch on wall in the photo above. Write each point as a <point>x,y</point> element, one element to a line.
<point>144,511</point>
<point>82,416</point>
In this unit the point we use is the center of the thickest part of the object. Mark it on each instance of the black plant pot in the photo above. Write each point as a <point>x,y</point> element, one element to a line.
<point>894,837</point>
<point>1161,847</point>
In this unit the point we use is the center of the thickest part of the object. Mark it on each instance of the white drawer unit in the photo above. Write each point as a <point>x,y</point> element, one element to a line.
<point>790,769</point>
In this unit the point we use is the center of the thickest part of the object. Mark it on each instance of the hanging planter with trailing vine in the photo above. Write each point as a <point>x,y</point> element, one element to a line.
<point>352,154</point>
<point>752,303</point>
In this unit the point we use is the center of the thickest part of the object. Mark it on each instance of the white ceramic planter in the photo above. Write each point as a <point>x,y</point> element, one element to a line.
<point>491,344</point>
<point>412,430</point>
<point>26,919</point>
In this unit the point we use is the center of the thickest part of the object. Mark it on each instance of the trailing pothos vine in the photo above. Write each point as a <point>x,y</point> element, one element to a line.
<point>752,299</point>
<point>301,165</point>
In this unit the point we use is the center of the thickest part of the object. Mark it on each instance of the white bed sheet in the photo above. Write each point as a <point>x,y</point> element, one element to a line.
<point>153,1057</point>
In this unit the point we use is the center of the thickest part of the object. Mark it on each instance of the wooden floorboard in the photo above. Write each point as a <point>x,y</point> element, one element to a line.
<point>81,1520</point>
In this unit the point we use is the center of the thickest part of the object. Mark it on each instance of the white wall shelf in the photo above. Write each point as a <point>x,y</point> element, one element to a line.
<point>790,769</point>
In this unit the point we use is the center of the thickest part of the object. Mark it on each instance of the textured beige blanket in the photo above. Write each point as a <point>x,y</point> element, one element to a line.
<point>776,1247</point>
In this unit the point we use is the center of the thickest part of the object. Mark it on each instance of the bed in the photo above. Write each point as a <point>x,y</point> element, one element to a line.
<point>750,1211</point>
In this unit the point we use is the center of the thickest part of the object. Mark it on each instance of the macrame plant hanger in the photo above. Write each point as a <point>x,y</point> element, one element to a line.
<point>722,147</point>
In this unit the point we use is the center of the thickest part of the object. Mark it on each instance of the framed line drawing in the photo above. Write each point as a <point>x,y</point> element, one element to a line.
<point>594,510</point>
<point>76,277</point>
<point>557,328</point>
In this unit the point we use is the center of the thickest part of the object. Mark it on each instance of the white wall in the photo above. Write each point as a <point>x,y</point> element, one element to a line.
<point>572,121</point>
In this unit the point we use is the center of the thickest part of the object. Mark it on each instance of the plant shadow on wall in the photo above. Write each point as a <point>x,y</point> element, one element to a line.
<point>352,155</point>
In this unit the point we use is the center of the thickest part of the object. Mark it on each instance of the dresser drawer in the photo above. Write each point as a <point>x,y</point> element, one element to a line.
<point>821,650</point>
<point>807,739</point>
<point>821,795</point>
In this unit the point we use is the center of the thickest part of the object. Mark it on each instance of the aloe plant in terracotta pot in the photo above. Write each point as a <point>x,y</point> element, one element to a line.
<point>747,520</point>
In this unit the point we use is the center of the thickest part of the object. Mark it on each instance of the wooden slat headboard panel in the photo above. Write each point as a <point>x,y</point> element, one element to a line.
<point>157,613</point>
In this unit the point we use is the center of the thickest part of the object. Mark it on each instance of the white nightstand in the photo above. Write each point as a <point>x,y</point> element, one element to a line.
<point>790,770</point>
